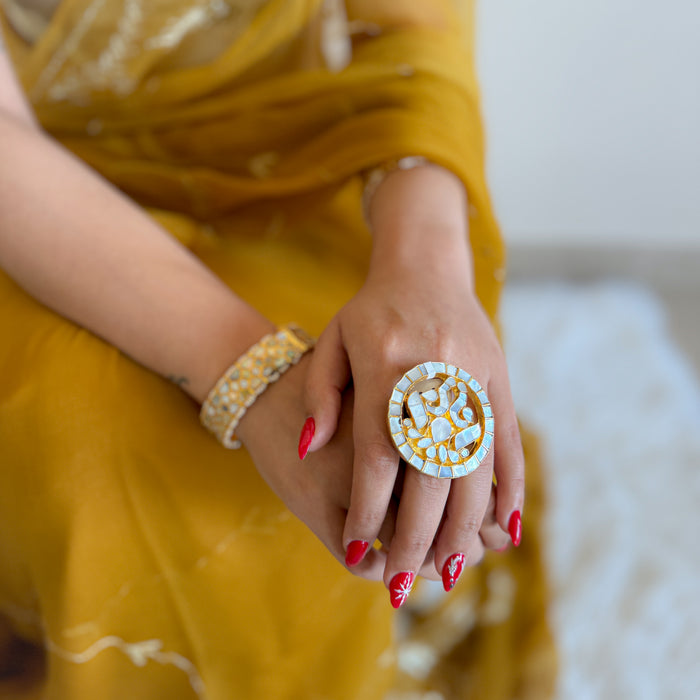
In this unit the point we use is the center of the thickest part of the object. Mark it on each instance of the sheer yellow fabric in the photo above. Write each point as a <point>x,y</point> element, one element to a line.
<point>127,535</point>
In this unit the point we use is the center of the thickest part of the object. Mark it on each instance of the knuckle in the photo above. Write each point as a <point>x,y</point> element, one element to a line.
<point>377,457</point>
<point>416,543</point>
<point>363,521</point>
<point>466,528</point>
<point>432,487</point>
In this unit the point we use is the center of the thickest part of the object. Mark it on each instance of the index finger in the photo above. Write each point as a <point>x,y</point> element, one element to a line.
<point>375,467</point>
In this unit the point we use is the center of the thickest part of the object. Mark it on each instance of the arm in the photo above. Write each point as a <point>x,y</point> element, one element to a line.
<point>417,304</point>
<point>12,101</point>
<point>77,244</point>
<point>110,269</point>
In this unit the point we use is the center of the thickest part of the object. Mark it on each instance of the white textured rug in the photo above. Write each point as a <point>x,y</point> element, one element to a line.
<point>595,371</point>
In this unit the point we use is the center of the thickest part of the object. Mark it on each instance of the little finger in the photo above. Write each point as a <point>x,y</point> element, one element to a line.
<point>492,536</point>
<point>327,377</point>
<point>509,464</point>
<point>375,465</point>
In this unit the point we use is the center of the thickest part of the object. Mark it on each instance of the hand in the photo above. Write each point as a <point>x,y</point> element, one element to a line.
<point>412,309</point>
<point>316,490</point>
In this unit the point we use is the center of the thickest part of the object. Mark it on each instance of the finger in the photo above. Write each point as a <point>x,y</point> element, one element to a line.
<point>420,512</point>
<point>490,533</point>
<point>388,528</point>
<point>459,545</point>
<point>375,465</point>
<point>372,565</point>
<point>509,462</point>
<point>328,376</point>
<point>357,549</point>
<point>386,533</point>
<point>427,569</point>
<point>330,533</point>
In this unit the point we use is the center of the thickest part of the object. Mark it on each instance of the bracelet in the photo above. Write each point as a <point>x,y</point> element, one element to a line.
<point>248,377</point>
<point>377,175</point>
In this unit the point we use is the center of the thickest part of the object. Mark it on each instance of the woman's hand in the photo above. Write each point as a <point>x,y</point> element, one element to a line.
<point>316,490</point>
<point>417,304</point>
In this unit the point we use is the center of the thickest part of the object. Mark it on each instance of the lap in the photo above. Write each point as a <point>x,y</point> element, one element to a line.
<point>152,561</point>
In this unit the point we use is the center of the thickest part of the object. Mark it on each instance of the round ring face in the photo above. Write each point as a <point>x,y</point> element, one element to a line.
<point>440,420</point>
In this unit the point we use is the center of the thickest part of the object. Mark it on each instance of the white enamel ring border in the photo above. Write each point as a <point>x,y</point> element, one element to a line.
<point>445,461</point>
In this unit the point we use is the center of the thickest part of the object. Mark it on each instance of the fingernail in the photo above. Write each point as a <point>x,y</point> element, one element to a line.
<point>502,549</point>
<point>452,570</point>
<point>515,528</point>
<point>307,435</point>
<point>400,587</point>
<point>356,550</point>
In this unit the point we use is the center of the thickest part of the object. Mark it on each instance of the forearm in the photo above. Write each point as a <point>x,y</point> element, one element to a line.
<point>419,224</point>
<point>78,245</point>
<point>12,101</point>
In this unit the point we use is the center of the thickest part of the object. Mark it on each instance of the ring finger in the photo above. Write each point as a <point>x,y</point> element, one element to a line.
<point>459,544</point>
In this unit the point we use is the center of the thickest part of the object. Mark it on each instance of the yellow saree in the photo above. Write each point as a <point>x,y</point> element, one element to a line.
<point>243,127</point>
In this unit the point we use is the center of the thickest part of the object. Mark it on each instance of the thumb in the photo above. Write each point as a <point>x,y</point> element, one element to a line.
<point>328,376</point>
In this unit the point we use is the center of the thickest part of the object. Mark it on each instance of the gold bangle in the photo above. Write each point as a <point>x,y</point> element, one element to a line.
<point>377,175</point>
<point>248,377</point>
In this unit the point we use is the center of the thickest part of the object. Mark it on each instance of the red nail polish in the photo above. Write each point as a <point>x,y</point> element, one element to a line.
<point>400,587</point>
<point>501,549</point>
<point>515,527</point>
<point>452,570</point>
<point>356,550</point>
<point>307,435</point>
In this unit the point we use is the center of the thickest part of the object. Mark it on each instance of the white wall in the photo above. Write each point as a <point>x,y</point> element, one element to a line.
<point>593,116</point>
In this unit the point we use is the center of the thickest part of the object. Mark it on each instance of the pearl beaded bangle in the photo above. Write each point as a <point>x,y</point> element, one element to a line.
<point>248,377</point>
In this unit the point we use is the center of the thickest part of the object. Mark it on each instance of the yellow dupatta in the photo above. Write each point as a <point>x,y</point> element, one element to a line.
<point>243,126</point>
<point>123,85</point>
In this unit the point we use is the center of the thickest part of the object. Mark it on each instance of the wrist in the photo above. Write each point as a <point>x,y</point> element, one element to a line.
<point>422,252</point>
<point>419,224</point>
<point>247,379</point>
<point>278,409</point>
<point>225,339</point>
<point>421,196</point>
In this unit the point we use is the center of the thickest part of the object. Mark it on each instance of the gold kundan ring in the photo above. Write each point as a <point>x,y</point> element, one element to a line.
<point>440,420</point>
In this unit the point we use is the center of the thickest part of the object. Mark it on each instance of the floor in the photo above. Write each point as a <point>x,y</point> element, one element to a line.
<point>673,275</point>
<point>606,367</point>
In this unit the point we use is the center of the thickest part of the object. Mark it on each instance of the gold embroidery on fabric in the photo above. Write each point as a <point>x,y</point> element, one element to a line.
<point>262,164</point>
<point>92,627</point>
<point>26,21</point>
<point>417,659</point>
<point>66,49</point>
<point>193,18</point>
<point>140,653</point>
<point>499,604</point>
<point>112,69</point>
<point>336,46</point>
<point>108,71</point>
